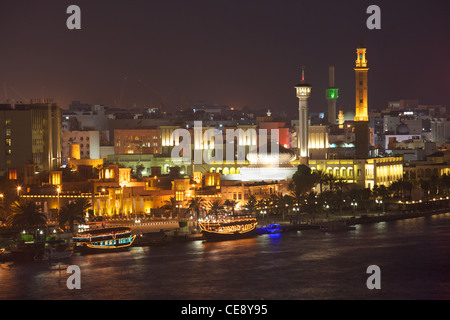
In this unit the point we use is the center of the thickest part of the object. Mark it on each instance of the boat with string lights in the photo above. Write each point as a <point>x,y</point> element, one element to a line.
<point>103,240</point>
<point>228,228</point>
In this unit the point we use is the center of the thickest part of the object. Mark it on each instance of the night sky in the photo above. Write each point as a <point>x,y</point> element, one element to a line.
<point>237,53</point>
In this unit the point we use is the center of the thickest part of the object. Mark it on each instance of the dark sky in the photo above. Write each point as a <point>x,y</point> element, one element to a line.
<point>234,52</point>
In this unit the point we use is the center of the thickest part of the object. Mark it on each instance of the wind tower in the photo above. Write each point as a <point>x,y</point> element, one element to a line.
<point>303,93</point>
<point>332,94</point>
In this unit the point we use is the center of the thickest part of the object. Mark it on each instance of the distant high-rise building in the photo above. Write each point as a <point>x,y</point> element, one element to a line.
<point>32,135</point>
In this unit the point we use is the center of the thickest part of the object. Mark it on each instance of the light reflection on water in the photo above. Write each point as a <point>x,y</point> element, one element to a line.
<point>413,256</point>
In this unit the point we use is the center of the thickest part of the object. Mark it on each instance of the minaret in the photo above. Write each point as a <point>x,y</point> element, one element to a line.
<point>361,112</point>
<point>332,94</point>
<point>303,93</point>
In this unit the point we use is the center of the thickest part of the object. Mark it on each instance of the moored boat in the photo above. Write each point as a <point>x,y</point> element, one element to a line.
<point>228,228</point>
<point>271,229</point>
<point>103,240</point>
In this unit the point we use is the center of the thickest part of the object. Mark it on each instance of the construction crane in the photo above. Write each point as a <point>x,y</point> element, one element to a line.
<point>21,96</point>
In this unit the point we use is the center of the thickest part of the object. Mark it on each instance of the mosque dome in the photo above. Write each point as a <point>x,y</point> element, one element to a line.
<point>264,156</point>
<point>402,129</point>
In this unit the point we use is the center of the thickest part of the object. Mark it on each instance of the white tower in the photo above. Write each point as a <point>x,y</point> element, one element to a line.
<point>303,93</point>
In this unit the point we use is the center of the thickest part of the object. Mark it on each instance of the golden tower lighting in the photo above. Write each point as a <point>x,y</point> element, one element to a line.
<point>361,70</point>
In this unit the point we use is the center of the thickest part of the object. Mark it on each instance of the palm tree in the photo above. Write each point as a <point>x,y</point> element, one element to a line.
<point>74,212</point>
<point>195,205</point>
<point>251,204</point>
<point>215,207</point>
<point>329,178</point>
<point>170,206</point>
<point>231,203</point>
<point>340,184</point>
<point>302,181</point>
<point>26,214</point>
<point>321,178</point>
<point>282,203</point>
<point>425,186</point>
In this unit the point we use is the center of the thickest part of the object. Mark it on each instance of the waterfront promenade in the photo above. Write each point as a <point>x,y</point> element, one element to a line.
<point>396,211</point>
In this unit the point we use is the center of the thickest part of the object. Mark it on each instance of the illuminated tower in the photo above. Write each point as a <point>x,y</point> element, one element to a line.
<point>341,119</point>
<point>332,94</point>
<point>361,113</point>
<point>303,93</point>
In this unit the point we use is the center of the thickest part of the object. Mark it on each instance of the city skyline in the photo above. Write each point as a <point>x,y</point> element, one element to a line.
<point>235,54</point>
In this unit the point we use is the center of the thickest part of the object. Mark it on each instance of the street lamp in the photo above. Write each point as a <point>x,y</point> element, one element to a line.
<point>178,206</point>
<point>18,190</point>
<point>354,205</point>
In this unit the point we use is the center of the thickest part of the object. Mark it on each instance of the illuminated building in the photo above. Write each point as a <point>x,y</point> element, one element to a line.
<point>318,142</point>
<point>341,119</point>
<point>81,145</point>
<point>435,165</point>
<point>361,70</point>
<point>365,173</point>
<point>30,133</point>
<point>303,93</point>
<point>138,141</point>
<point>361,111</point>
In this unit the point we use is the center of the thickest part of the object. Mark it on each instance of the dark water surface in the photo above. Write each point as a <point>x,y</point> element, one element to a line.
<point>413,255</point>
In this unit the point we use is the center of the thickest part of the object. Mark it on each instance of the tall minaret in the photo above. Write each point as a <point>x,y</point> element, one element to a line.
<point>303,93</point>
<point>332,94</point>
<point>361,112</point>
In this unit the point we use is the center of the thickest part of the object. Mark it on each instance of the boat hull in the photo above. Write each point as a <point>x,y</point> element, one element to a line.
<point>217,236</point>
<point>109,240</point>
